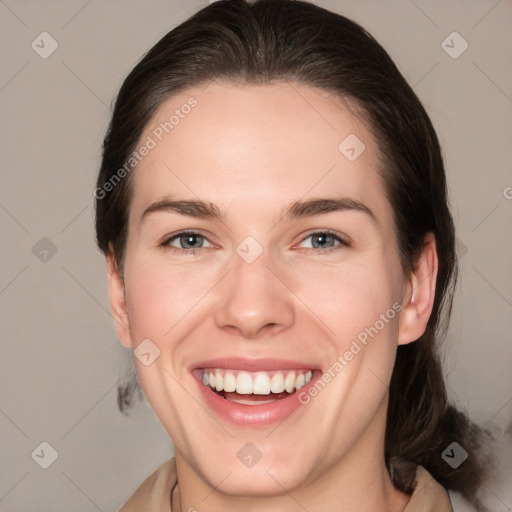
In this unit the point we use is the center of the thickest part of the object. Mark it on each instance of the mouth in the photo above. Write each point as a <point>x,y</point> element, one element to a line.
<point>253,393</point>
<point>254,388</point>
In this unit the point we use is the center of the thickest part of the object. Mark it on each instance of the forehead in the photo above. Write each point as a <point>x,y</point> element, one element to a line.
<point>257,147</point>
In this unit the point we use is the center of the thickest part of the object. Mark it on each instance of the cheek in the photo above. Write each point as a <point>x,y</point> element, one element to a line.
<point>160,302</point>
<point>358,304</point>
<point>159,297</point>
<point>351,298</point>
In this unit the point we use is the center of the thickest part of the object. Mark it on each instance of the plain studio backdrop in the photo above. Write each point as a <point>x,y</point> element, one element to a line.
<point>63,62</point>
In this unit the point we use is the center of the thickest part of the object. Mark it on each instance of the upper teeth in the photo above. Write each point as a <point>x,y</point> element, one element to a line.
<point>257,383</point>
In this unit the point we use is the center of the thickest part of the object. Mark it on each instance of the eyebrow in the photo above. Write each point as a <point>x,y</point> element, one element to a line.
<point>191,208</point>
<point>298,209</point>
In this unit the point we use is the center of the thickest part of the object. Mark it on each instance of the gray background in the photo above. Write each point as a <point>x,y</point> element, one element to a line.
<point>60,358</point>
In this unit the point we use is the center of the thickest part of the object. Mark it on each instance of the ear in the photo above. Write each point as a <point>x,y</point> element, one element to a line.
<point>117,301</point>
<point>419,294</point>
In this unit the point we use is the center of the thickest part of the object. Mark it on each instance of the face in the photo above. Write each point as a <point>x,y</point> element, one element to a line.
<point>261,258</point>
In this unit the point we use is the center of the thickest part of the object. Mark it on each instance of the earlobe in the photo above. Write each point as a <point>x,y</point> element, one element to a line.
<point>117,301</point>
<point>420,293</point>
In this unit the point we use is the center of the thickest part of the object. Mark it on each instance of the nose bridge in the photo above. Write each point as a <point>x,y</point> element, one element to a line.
<point>253,299</point>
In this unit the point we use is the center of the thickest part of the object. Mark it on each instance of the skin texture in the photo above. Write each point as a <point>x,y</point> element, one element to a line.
<point>252,151</point>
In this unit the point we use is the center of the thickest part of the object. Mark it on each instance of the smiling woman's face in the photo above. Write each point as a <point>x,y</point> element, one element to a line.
<point>291,260</point>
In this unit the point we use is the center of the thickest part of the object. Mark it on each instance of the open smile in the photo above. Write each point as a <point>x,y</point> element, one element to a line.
<point>250,393</point>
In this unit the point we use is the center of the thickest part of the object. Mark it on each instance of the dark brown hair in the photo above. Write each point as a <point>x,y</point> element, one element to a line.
<point>272,41</point>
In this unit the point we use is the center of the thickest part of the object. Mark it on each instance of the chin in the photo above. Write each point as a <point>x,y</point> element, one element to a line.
<point>253,483</point>
<point>269,475</point>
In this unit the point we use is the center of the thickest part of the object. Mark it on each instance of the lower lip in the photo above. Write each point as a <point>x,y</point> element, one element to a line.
<point>252,415</point>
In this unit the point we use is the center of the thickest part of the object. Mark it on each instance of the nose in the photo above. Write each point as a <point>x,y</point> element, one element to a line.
<point>255,301</point>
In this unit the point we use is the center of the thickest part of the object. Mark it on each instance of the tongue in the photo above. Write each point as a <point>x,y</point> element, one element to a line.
<point>253,399</point>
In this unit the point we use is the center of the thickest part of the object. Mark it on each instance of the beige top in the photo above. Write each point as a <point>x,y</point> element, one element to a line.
<point>154,494</point>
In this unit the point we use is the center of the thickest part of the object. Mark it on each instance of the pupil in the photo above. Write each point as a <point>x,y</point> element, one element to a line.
<point>321,239</point>
<point>191,239</point>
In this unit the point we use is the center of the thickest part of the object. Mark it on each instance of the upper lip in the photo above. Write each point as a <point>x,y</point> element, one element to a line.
<point>253,364</point>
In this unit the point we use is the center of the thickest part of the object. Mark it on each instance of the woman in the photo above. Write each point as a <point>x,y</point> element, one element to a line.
<point>272,206</point>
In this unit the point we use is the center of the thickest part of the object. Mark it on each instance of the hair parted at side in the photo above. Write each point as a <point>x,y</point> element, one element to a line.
<point>271,41</point>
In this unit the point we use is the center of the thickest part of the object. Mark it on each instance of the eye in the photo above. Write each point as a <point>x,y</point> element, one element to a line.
<point>325,240</point>
<point>186,242</point>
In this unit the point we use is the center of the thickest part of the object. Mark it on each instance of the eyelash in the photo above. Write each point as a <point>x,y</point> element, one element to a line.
<point>192,252</point>
<point>343,243</point>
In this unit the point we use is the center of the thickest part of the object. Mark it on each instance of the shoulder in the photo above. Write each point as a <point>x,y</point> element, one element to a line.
<point>153,495</point>
<point>428,495</point>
